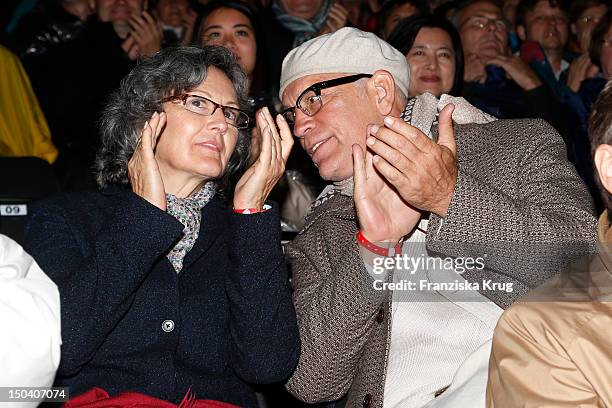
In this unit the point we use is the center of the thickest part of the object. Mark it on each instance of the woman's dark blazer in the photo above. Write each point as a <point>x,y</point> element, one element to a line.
<point>131,323</point>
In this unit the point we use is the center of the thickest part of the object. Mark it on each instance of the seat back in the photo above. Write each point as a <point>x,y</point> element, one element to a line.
<point>22,180</point>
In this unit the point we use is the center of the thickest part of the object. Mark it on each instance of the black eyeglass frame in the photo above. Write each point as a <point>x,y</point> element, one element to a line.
<point>318,87</point>
<point>183,98</point>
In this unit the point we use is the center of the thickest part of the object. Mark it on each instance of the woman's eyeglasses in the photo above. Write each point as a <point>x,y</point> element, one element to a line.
<point>205,107</point>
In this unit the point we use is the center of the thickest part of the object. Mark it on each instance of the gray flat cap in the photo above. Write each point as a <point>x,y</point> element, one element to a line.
<point>347,50</point>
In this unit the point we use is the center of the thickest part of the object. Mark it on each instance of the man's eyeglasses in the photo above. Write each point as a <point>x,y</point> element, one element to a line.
<point>483,23</point>
<point>205,107</point>
<point>310,102</point>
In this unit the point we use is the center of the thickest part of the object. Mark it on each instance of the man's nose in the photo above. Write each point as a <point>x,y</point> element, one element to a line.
<point>302,125</point>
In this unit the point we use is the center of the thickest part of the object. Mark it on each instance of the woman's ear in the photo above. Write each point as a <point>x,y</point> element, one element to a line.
<point>382,88</point>
<point>603,163</point>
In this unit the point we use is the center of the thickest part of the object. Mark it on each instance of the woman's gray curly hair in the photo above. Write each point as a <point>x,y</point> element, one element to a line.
<point>171,71</point>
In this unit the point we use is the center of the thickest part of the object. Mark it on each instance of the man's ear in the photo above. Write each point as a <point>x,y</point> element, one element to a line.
<point>603,163</point>
<point>520,31</point>
<point>381,87</point>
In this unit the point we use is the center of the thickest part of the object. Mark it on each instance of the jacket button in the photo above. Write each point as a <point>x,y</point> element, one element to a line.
<point>168,326</point>
<point>367,401</point>
<point>380,316</point>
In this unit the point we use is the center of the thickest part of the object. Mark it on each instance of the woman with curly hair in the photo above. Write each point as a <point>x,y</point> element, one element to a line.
<point>170,278</point>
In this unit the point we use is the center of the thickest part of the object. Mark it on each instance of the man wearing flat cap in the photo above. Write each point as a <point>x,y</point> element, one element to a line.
<point>409,180</point>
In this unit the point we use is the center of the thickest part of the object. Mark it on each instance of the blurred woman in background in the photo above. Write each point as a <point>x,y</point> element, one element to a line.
<point>177,19</point>
<point>433,49</point>
<point>232,24</point>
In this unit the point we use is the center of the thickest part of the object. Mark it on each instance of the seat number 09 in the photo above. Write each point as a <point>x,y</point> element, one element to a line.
<point>13,210</point>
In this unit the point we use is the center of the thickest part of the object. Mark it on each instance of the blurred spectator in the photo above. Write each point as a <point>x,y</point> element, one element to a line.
<point>74,80</point>
<point>582,91</point>
<point>433,49</point>
<point>289,23</point>
<point>600,50</point>
<point>509,12</point>
<point>30,309</point>
<point>23,128</point>
<point>543,24</point>
<point>394,11</point>
<point>446,10</point>
<point>177,20</point>
<point>552,349</point>
<point>52,22</point>
<point>496,81</point>
<point>232,24</point>
<point>360,12</point>
<point>585,88</point>
<point>584,15</point>
<point>310,18</point>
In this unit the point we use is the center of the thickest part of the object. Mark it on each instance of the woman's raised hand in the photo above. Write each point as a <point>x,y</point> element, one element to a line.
<point>259,179</point>
<point>143,170</point>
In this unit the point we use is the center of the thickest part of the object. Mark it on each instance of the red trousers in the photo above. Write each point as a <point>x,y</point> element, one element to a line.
<point>98,398</point>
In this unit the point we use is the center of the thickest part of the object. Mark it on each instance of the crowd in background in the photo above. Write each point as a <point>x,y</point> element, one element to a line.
<point>536,59</point>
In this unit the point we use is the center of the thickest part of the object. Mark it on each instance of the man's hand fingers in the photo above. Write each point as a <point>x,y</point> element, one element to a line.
<point>359,172</point>
<point>446,133</point>
<point>403,132</point>
<point>389,172</point>
<point>402,159</point>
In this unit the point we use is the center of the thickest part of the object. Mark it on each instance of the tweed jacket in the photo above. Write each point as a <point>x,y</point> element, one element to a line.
<point>130,322</point>
<point>517,199</point>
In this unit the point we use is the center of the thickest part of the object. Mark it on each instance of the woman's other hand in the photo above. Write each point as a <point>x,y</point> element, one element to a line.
<point>143,170</point>
<point>255,145</point>
<point>254,186</point>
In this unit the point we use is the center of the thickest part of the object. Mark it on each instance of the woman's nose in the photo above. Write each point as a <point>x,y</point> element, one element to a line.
<point>218,120</point>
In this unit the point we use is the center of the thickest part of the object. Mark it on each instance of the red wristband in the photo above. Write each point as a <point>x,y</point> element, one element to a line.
<point>265,208</point>
<point>363,241</point>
